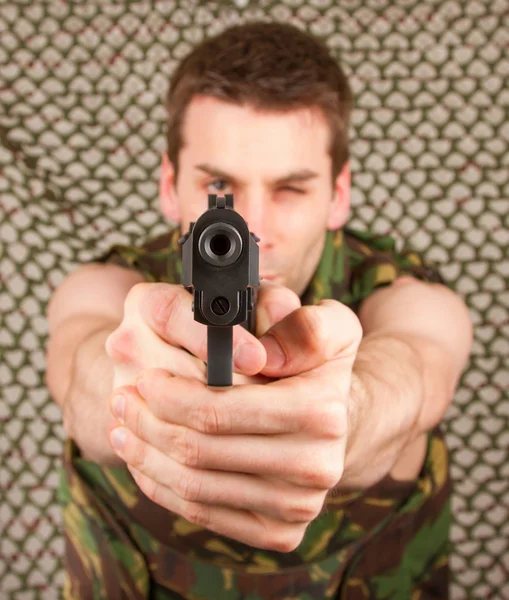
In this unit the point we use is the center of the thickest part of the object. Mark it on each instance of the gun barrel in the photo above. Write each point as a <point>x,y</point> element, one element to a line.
<point>220,266</point>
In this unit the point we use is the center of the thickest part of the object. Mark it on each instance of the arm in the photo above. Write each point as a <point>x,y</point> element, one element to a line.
<point>90,382</point>
<point>83,311</point>
<point>416,343</point>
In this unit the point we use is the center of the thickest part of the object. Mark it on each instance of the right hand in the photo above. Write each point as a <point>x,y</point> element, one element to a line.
<point>158,330</point>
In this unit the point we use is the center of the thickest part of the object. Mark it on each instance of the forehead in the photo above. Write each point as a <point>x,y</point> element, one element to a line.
<point>238,136</point>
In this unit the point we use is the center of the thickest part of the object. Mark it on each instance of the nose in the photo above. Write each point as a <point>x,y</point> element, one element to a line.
<point>253,211</point>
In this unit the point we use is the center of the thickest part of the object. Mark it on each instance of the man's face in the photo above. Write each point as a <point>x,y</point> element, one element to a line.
<point>278,168</point>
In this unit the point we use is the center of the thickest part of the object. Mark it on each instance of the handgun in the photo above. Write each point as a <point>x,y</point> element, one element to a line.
<point>220,267</point>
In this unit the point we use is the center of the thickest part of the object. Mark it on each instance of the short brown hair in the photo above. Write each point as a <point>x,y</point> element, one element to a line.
<point>269,67</point>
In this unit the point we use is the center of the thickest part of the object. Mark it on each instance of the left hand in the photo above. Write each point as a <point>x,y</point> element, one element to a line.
<point>251,462</point>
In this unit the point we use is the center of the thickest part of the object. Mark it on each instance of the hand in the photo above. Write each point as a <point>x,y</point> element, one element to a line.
<point>252,462</point>
<point>159,330</point>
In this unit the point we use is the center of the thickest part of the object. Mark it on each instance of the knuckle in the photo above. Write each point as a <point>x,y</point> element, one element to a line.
<point>314,479</point>
<point>134,418</point>
<point>189,486</point>
<point>321,476</point>
<point>185,447</point>
<point>335,421</point>
<point>332,475</point>
<point>119,345</point>
<point>138,455</point>
<point>328,420</point>
<point>153,492</point>
<point>302,511</point>
<point>212,419</point>
<point>165,305</point>
<point>197,513</point>
<point>288,540</point>
<point>167,438</point>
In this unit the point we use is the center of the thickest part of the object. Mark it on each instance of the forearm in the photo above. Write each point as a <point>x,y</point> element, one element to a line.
<point>86,409</point>
<point>386,402</point>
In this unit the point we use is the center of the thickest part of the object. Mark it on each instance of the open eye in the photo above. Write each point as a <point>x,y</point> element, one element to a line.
<point>216,188</point>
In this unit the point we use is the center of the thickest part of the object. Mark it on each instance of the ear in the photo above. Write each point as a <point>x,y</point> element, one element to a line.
<point>340,205</point>
<point>167,193</point>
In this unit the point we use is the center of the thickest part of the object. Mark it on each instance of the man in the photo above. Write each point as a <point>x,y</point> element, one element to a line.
<point>321,472</point>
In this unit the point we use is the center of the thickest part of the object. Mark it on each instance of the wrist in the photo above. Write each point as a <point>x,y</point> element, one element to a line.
<point>386,396</point>
<point>86,412</point>
<point>358,406</point>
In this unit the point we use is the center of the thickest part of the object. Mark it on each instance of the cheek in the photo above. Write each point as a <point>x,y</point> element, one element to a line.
<point>299,223</point>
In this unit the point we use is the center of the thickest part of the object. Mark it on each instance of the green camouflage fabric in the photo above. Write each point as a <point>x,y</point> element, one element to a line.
<point>388,541</point>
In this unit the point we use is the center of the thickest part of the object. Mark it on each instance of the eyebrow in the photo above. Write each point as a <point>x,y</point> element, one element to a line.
<point>299,175</point>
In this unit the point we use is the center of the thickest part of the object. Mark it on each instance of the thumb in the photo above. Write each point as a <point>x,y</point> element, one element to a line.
<point>275,302</point>
<point>310,337</point>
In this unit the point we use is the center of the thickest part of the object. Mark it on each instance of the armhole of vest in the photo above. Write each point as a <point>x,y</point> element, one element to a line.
<point>414,264</point>
<point>117,255</point>
<point>113,257</point>
<point>138,258</point>
<point>402,265</point>
<point>393,264</point>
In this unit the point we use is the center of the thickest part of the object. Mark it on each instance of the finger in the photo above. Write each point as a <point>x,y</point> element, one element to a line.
<point>311,336</point>
<point>248,454</point>
<point>167,310</point>
<point>271,408</point>
<point>275,302</point>
<point>241,525</point>
<point>277,499</point>
<point>296,458</point>
<point>133,345</point>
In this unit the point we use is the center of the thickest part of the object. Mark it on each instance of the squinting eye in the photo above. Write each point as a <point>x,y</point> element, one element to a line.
<point>292,189</point>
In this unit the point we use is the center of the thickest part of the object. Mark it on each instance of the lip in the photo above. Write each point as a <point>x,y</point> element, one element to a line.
<point>269,277</point>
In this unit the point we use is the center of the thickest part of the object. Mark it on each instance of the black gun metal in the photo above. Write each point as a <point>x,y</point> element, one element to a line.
<point>220,267</point>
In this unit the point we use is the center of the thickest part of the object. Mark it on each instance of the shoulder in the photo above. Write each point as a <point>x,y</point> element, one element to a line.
<point>376,262</point>
<point>155,258</point>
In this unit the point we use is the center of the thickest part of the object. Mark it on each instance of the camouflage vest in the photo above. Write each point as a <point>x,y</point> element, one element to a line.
<point>388,541</point>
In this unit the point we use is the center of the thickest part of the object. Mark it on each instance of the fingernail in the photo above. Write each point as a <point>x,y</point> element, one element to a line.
<point>119,407</point>
<point>245,355</point>
<point>118,437</point>
<point>275,356</point>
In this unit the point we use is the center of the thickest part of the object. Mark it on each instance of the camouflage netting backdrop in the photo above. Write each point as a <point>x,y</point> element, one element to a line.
<point>82,127</point>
